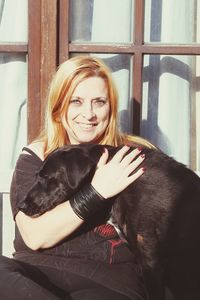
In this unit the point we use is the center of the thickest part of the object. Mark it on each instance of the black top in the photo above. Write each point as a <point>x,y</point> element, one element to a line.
<point>94,251</point>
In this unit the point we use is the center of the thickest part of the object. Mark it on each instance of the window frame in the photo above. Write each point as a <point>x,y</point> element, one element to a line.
<point>42,59</point>
<point>137,49</point>
<point>49,45</point>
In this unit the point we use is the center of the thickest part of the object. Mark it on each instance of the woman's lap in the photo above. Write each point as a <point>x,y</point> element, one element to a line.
<point>22,281</point>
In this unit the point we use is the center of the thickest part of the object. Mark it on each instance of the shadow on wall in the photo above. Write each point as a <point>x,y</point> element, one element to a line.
<point>125,121</point>
<point>153,133</point>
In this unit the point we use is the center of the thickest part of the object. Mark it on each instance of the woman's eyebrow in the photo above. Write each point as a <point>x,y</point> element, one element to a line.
<point>96,98</point>
<point>100,98</point>
<point>77,97</point>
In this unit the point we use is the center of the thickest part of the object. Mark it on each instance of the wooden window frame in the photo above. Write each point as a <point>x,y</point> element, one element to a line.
<point>137,48</point>
<point>42,59</point>
<point>49,45</point>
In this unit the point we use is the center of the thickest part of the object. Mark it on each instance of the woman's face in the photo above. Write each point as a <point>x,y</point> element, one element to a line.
<point>88,112</point>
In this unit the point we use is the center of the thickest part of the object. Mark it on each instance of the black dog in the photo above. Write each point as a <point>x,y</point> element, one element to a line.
<point>162,207</point>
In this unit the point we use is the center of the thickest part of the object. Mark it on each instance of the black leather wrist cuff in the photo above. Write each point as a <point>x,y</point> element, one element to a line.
<point>86,202</point>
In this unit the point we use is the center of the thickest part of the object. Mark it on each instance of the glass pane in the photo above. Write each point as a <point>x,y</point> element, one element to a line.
<point>13,20</point>
<point>120,65</point>
<point>101,20</point>
<point>13,115</point>
<point>170,107</point>
<point>172,21</point>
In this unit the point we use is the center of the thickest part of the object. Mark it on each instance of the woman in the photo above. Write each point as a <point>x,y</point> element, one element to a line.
<point>63,254</point>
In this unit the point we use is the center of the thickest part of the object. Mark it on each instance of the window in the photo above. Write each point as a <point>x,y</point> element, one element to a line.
<point>27,62</point>
<point>154,59</point>
<point>152,49</point>
<point>13,97</point>
<point>13,85</point>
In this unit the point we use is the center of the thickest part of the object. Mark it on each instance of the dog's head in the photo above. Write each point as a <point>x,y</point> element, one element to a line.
<point>61,175</point>
<point>72,164</point>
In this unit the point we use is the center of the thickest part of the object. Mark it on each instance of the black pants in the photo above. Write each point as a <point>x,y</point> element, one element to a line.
<point>22,281</point>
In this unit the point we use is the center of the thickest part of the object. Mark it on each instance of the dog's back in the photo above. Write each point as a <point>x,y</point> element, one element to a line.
<point>163,207</point>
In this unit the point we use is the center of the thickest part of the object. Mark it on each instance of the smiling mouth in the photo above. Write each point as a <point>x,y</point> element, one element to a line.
<point>87,126</point>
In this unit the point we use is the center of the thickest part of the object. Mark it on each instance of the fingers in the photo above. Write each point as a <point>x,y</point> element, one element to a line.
<point>135,176</point>
<point>134,164</point>
<point>120,154</point>
<point>112,177</point>
<point>130,157</point>
<point>127,162</point>
<point>103,159</point>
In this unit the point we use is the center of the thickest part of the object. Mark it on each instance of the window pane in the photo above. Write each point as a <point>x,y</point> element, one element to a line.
<point>13,115</point>
<point>170,107</point>
<point>101,20</point>
<point>120,65</point>
<point>172,21</point>
<point>13,20</point>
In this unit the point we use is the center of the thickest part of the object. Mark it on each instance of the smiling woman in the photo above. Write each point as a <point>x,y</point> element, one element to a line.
<point>82,106</point>
<point>72,251</point>
<point>88,112</point>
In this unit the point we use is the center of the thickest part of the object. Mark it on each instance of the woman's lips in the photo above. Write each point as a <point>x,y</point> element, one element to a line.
<point>86,126</point>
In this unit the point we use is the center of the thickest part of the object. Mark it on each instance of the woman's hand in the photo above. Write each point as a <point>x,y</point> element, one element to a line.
<point>114,176</point>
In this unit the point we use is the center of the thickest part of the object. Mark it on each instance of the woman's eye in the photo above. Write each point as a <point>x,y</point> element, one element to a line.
<point>100,102</point>
<point>75,101</point>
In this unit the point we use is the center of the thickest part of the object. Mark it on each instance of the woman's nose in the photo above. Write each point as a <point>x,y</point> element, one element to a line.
<point>87,111</point>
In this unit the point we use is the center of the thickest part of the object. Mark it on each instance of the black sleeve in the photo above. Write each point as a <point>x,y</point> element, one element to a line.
<point>23,178</point>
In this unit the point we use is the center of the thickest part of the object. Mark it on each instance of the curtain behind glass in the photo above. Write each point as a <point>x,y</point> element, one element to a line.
<point>166,109</point>
<point>13,20</point>
<point>171,21</point>
<point>170,114</point>
<point>101,20</point>
<point>13,84</point>
<point>13,95</point>
<point>112,22</point>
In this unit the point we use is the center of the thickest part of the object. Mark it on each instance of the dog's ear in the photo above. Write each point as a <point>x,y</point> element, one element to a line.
<point>75,166</point>
<point>80,168</point>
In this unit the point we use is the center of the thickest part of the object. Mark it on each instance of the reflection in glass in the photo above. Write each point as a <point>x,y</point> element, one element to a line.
<point>13,116</point>
<point>172,21</point>
<point>104,20</point>
<point>169,108</point>
<point>13,20</point>
<point>120,65</point>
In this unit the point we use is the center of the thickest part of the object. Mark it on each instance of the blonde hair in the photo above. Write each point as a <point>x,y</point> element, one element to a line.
<point>66,79</point>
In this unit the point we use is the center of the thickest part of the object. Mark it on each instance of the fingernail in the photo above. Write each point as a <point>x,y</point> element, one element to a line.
<point>143,169</point>
<point>104,150</point>
<point>139,149</point>
<point>142,155</point>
